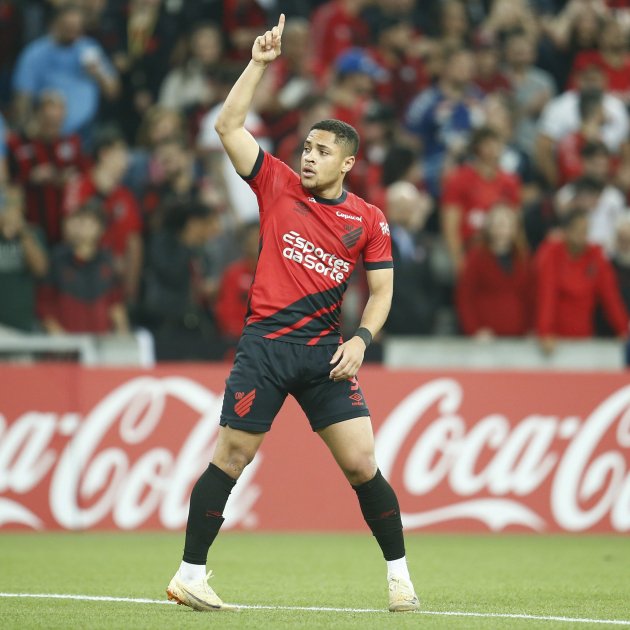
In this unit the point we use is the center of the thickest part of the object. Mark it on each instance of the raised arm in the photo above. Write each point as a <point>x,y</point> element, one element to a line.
<point>239,144</point>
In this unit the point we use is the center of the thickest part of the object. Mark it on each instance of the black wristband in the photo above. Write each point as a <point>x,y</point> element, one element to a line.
<point>364,334</point>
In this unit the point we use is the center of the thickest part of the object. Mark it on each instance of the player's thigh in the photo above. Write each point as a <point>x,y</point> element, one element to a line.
<point>254,391</point>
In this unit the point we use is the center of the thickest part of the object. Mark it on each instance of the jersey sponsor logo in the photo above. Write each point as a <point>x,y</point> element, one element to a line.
<point>351,238</point>
<point>384,228</point>
<point>304,252</point>
<point>352,217</point>
<point>245,402</point>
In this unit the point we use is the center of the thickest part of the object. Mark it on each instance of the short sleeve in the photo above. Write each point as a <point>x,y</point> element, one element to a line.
<point>377,253</point>
<point>269,179</point>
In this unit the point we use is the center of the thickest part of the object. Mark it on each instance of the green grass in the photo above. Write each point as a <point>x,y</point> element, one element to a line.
<point>587,577</point>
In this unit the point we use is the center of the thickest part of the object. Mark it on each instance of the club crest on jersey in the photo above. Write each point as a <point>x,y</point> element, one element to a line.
<point>352,236</point>
<point>301,208</point>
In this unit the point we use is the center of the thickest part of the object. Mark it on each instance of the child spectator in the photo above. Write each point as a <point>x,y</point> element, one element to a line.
<point>122,234</point>
<point>82,293</point>
<point>23,260</point>
<point>495,288</point>
<point>573,277</point>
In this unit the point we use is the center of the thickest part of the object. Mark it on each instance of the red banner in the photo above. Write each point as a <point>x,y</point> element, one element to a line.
<point>120,449</point>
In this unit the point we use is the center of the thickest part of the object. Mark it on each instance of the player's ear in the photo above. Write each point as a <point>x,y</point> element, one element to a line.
<point>347,164</point>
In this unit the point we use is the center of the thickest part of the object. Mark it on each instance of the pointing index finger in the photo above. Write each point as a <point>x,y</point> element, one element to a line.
<point>281,25</point>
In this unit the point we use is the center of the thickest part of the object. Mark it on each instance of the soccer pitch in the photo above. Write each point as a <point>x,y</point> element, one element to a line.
<point>317,581</point>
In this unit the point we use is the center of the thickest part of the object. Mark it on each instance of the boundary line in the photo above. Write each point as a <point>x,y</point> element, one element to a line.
<point>140,600</point>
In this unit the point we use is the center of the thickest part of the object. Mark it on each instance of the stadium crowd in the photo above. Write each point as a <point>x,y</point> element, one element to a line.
<point>495,137</point>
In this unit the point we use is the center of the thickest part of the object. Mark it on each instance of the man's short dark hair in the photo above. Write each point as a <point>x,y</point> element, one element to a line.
<point>107,137</point>
<point>481,135</point>
<point>344,133</point>
<point>594,149</point>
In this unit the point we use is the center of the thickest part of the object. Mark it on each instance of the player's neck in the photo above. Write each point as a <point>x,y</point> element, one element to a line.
<point>331,192</point>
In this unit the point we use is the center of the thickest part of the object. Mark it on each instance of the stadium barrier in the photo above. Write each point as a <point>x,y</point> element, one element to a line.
<point>93,448</point>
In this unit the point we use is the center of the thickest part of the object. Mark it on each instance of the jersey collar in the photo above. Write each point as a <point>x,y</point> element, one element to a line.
<point>331,202</point>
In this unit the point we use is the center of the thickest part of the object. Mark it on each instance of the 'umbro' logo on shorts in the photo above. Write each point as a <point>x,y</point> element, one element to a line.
<point>245,402</point>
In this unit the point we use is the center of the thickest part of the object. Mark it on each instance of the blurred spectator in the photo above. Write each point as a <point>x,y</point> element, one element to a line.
<point>532,87</point>
<point>145,36</point>
<point>158,124</point>
<point>70,63</point>
<point>239,196</point>
<point>621,258</point>
<point>3,151</point>
<point>406,73</point>
<point>335,27</point>
<point>572,278</point>
<point>352,89</point>
<point>454,25</point>
<point>177,180</point>
<point>288,82</point>
<point>495,288</point>
<point>561,117</point>
<point>236,280</point>
<point>507,17</point>
<point>612,57</point>
<point>82,293</point>
<point>189,85</point>
<point>23,260</point>
<point>443,116</point>
<point>415,299</point>
<point>43,160</point>
<point>489,77</point>
<point>471,190</point>
<point>607,204</point>
<point>242,22</point>
<point>175,294</point>
<point>123,224</point>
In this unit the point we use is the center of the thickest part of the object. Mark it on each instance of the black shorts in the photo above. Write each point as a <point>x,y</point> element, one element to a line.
<point>266,371</point>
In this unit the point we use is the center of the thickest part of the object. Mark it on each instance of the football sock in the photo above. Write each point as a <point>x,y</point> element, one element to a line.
<point>381,512</point>
<point>192,572</point>
<point>398,568</point>
<point>205,516</point>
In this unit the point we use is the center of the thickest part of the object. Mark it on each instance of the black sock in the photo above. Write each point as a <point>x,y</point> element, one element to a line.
<point>205,516</point>
<point>381,512</point>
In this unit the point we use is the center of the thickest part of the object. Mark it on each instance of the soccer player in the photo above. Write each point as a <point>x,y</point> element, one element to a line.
<point>312,233</point>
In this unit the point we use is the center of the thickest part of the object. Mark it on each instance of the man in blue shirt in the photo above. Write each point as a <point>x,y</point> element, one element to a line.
<point>443,117</point>
<point>70,63</point>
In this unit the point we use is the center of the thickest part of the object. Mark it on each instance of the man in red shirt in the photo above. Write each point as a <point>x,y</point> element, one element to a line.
<point>43,160</point>
<point>573,277</point>
<point>472,189</point>
<point>123,221</point>
<point>312,234</point>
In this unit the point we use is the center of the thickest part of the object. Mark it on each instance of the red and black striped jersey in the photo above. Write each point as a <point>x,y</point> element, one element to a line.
<point>308,249</point>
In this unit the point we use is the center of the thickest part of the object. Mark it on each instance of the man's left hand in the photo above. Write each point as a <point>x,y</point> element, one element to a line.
<point>350,357</point>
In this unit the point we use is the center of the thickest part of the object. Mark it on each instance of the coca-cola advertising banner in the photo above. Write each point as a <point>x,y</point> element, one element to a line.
<point>88,448</point>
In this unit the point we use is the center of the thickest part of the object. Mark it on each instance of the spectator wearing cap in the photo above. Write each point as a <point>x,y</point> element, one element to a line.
<point>495,289</point>
<point>287,83</point>
<point>352,90</point>
<point>82,293</point>
<point>573,277</point>
<point>561,117</point>
<point>336,26</point>
<point>607,204</point>
<point>123,224</point>
<point>532,88</point>
<point>415,300</point>
<point>233,297</point>
<point>68,62</point>
<point>23,261</point>
<point>443,117</point>
<point>43,160</point>
<point>175,297</point>
<point>239,197</point>
<point>471,190</point>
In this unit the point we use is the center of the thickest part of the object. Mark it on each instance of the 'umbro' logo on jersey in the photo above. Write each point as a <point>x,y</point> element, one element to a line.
<point>301,208</point>
<point>351,238</point>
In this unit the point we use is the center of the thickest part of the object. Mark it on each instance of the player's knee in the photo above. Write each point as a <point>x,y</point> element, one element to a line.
<point>361,469</point>
<point>234,460</point>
